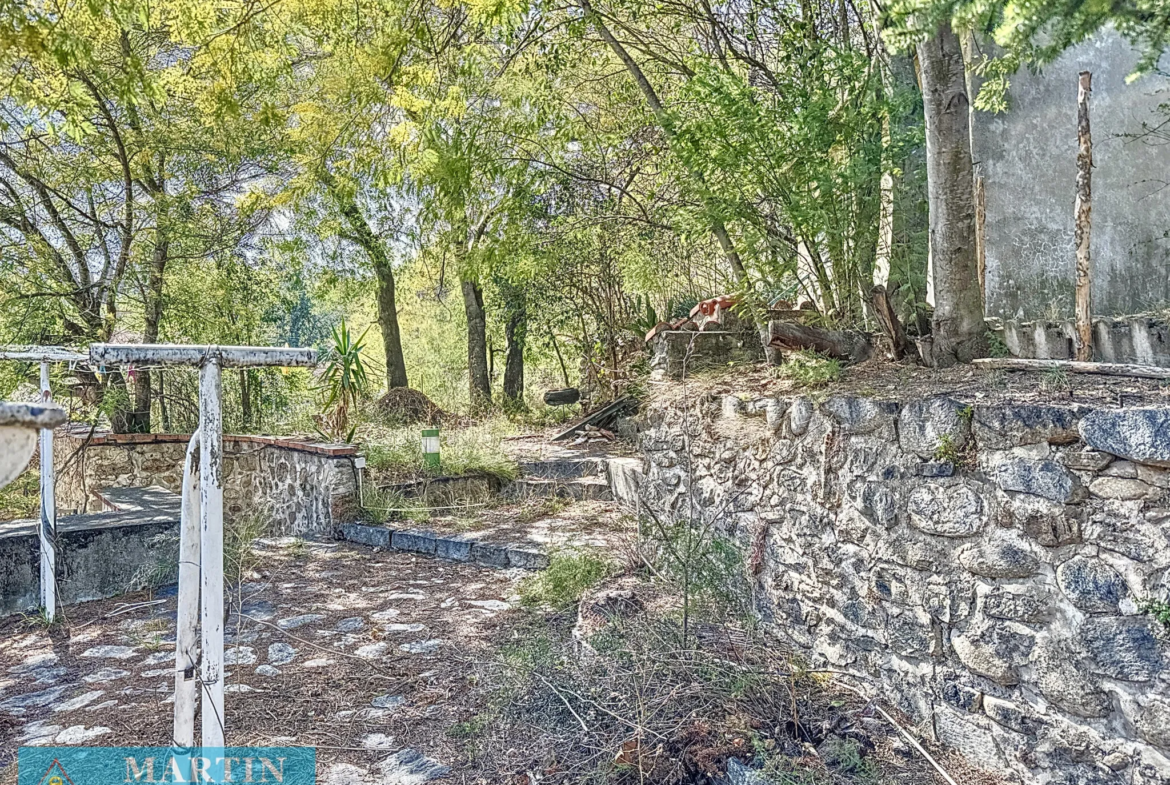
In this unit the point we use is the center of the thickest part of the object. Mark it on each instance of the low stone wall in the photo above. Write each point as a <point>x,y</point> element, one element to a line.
<point>99,555</point>
<point>980,566</point>
<point>303,487</point>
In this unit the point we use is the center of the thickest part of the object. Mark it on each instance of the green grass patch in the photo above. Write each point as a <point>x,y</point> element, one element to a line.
<point>569,575</point>
<point>396,453</point>
<point>810,370</point>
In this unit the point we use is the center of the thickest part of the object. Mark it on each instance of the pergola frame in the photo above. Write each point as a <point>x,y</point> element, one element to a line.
<point>201,525</point>
<point>48,529</point>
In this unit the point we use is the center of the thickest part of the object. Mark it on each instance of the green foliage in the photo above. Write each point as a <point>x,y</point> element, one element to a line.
<point>344,381</point>
<point>995,345</point>
<point>21,498</point>
<point>569,575</point>
<point>810,370</point>
<point>1158,610</point>
<point>397,453</point>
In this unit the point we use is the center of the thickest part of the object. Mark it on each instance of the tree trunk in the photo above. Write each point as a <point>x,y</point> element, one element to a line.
<point>479,381</point>
<point>516,333</point>
<point>138,418</point>
<point>1083,220</point>
<point>388,324</point>
<point>363,235</point>
<point>960,334</point>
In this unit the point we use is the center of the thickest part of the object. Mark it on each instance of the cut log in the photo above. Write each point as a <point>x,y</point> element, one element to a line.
<point>1074,366</point>
<point>602,418</point>
<point>884,312</point>
<point>565,397</point>
<point>790,336</point>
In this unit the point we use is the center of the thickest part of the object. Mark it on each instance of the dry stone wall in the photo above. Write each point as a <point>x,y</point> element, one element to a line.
<point>983,567</point>
<point>301,487</point>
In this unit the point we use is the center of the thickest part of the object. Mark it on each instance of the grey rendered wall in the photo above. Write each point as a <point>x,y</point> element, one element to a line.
<point>1027,157</point>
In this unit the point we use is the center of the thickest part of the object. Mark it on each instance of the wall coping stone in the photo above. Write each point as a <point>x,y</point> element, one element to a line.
<point>105,438</point>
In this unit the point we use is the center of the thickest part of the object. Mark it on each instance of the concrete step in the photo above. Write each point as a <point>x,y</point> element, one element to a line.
<point>563,469</point>
<point>580,488</point>
<point>445,546</point>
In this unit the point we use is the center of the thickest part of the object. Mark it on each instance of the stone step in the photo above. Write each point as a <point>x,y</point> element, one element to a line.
<point>445,546</point>
<point>581,488</point>
<point>563,469</point>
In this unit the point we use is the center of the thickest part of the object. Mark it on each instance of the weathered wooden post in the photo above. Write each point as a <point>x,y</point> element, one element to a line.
<point>1083,213</point>
<point>210,360</point>
<point>48,528</point>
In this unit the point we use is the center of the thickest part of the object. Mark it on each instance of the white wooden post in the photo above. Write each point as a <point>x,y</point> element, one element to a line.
<point>48,528</point>
<point>187,621</point>
<point>47,531</point>
<point>211,550</point>
<point>210,360</point>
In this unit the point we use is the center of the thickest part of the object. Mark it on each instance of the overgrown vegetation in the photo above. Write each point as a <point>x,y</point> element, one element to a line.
<point>568,576</point>
<point>810,370</point>
<point>1158,610</point>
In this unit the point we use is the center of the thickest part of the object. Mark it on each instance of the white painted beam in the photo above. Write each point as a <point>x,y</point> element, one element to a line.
<point>52,354</point>
<point>227,356</point>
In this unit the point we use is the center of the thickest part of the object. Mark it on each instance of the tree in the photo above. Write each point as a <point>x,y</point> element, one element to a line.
<point>959,334</point>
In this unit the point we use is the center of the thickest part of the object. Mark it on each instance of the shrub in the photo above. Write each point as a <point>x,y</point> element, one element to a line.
<point>568,577</point>
<point>810,370</point>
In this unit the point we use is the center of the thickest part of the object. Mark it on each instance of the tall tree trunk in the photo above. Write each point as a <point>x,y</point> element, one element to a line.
<point>960,334</point>
<point>479,380</point>
<point>516,334</point>
<point>363,235</point>
<point>138,418</point>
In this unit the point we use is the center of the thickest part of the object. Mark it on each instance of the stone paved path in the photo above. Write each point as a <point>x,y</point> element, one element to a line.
<point>334,645</point>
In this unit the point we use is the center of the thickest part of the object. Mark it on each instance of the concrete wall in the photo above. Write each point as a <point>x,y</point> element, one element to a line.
<point>1027,157</point>
<point>301,487</point>
<point>99,555</point>
<point>993,597</point>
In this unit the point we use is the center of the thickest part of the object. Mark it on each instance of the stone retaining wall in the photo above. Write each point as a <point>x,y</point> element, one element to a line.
<point>981,567</point>
<point>301,486</point>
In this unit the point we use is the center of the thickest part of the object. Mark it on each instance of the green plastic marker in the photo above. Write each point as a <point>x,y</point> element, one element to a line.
<point>430,447</point>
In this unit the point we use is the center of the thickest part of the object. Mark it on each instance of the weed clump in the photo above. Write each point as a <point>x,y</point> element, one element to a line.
<point>568,577</point>
<point>810,370</point>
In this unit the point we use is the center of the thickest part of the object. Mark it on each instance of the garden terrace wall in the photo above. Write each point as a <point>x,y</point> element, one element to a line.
<point>979,566</point>
<point>302,487</point>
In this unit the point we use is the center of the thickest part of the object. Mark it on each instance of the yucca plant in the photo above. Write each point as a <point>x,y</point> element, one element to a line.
<point>345,381</point>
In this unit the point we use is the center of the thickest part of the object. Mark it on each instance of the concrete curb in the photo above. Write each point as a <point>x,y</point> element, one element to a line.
<point>453,548</point>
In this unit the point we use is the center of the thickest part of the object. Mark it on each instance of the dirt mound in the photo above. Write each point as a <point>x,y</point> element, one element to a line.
<point>404,406</point>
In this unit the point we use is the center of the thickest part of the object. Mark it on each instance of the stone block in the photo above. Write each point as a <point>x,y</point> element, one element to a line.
<point>1125,648</point>
<point>453,549</point>
<point>935,469</point>
<point>1140,435</point>
<point>1152,723</point>
<point>1048,523</point>
<point>1091,585</point>
<point>963,697</point>
<point>1121,488</point>
<point>1027,604</point>
<point>879,504</point>
<point>1005,555</point>
<point>1085,459</point>
<point>946,510</point>
<point>993,651</point>
<point>413,541</point>
<point>1003,426</point>
<point>490,555</point>
<point>1065,683</point>
<point>922,425</point>
<point>1046,479</point>
<point>1011,715</point>
<point>862,415</point>
<point>800,416</point>
<point>526,559</point>
<point>374,536</point>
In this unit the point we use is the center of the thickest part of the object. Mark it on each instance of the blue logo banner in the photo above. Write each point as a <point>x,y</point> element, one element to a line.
<point>141,765</point>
